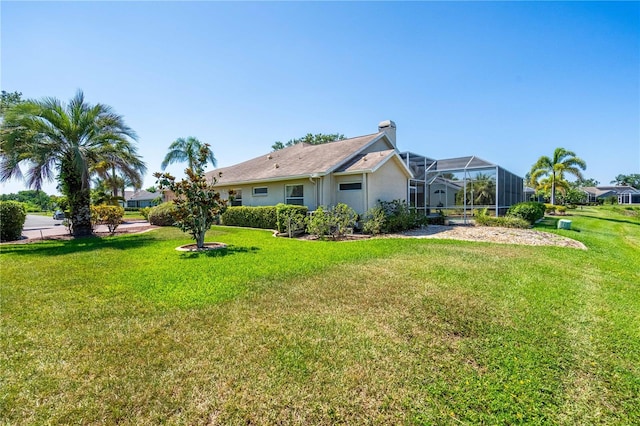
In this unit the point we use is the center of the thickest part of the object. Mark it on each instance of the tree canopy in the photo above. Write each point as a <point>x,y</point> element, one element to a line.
<point>317,139</point>
<point>630,180</point>
<point>187,150</point>
<point>9,99</point>
<point>555,168</point>
<point>64,141</point>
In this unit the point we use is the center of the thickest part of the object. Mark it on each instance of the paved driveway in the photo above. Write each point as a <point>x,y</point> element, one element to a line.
<point>37,227</point>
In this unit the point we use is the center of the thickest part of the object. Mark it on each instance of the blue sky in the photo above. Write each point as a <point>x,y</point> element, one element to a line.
<point>505,81</point>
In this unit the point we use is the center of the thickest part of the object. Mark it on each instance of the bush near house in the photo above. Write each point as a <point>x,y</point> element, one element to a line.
<point>531,211</point>
<point>264,217</point>
<point>163,214</point>
<point>290,218</point>
<point>335,222</point>
<point>392,216</point>
<point>12,217</point>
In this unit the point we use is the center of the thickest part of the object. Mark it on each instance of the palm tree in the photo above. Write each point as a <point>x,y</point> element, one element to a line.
<point>563,162</point>
<point>188,149</point>
<point>49,137</point>
<point>484,189</point>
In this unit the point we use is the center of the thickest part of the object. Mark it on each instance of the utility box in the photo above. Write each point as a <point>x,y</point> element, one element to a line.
<point>564,224</point>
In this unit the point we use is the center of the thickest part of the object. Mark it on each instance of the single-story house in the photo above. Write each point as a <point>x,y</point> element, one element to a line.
<point>359,172</point>
<point>143,198</point>
<point>625,194</point>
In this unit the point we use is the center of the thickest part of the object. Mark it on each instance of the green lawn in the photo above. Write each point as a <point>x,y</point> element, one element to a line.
<point>384,331</point>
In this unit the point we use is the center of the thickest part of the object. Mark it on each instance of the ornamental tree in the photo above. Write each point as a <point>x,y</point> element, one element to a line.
<point>197,202</point>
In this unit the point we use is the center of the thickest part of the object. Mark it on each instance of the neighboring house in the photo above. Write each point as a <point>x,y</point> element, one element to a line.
<point>359,172</point>
<point>625,194</point>
<point>143,198</point>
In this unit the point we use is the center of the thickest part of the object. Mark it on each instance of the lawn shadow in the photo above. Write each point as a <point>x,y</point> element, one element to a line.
<point>222,252</point>
<point>610,219</point>
<point>81,244</point>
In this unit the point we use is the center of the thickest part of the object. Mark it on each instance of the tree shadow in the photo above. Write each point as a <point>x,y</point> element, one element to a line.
<point>76,245</point>
<point>222,252</point>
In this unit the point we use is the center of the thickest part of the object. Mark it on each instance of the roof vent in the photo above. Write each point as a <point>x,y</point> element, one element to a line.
<point>277,166</point>
<point>269,157</point>
<point>389,127</point>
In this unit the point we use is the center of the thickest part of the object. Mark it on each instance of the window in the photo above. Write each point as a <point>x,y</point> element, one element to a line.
<point>294,194</point>
<point>237,198</point>
<point>356,186</point>
<point>260,191</point>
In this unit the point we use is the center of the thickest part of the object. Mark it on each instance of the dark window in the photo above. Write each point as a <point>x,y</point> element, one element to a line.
<point>294,194</point>
<point>262,190</point>
<point>351,186</point>
<point>237,198</point>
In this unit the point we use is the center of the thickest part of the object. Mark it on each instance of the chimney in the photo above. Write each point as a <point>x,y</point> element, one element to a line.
<point>389,127</point>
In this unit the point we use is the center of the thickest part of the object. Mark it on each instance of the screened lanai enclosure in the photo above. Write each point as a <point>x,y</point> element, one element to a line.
<point>459,186</point>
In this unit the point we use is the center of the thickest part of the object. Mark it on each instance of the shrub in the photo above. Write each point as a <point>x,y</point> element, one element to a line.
<point>397,217</point>
<point>531,211</point>
<point>12,217</point>
<point>145,212</point>
<point>549,208</point>
<point>336,222</point>
<point>290,218</point>
<point>107,215</point>
<point>483,219</point>
<point>163,214</point>
<point>251,217</point>
<point>561,210</point>
<point>374,221</point>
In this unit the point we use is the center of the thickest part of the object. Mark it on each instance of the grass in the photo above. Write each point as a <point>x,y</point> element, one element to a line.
<point>127,330</point>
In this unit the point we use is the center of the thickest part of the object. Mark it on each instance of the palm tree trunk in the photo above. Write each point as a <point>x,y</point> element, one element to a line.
<point>79,197</point>
<point>81,214</point>
<point>553,189</point>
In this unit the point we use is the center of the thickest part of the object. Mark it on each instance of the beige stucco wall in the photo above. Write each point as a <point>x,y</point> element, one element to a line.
<point>380,145</point>
<point>275,193</point>
<point>354,198</point>
<point>388,183</point>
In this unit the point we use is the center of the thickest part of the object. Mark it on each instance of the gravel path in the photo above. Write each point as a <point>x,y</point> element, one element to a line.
<point>529,237</point>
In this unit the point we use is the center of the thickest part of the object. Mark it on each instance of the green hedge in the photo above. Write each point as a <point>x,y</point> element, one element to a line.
<point>12,217</point>
<point>483,219</point>
<point>531,211</point>
<point>284,211</point>
<point>251,217</point>
<point>163,214</point>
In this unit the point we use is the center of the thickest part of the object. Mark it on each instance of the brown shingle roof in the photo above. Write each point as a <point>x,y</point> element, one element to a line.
<point>366,162</point>
<point>298,160</point>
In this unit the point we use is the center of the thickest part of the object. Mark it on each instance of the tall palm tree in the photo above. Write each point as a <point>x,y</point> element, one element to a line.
<point>53,139</point>
<point>563,162</point>
<point>188,149</point>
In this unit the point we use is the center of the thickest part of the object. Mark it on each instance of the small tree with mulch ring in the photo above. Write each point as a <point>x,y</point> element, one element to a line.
<point>198,203</point>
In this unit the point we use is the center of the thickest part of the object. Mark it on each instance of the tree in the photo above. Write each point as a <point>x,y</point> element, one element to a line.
<point>563,162</point>
<point>121,168</point>
<point>317,139</point>
<point>197,202</point>
<point>188,150</point>
<point>581,183</point>
<point>48,136</point>
<point>630,180</point>
<point>7,100</point>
